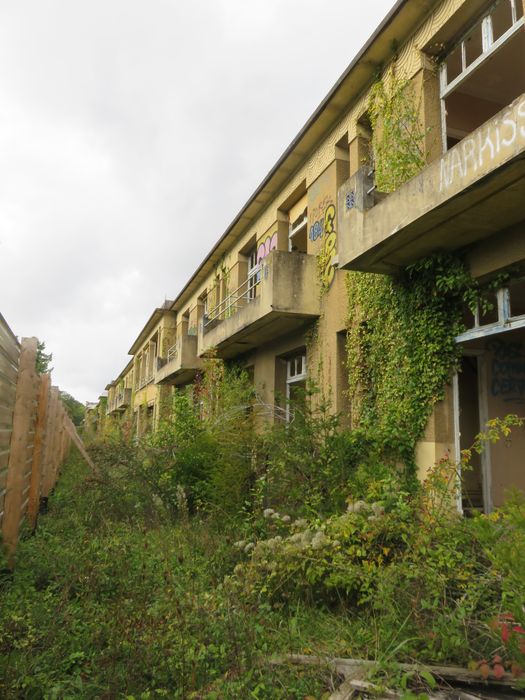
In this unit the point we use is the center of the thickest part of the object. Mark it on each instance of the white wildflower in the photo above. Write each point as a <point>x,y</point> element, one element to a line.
<point>268,512</point>
<point>378,509</point>
<point>286,519</point>
<point>319,540</point>
<point>300,524</point>
<point>249,547</point>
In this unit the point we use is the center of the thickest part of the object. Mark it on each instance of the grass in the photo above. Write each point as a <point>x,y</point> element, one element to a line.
<point>106,606</point>
<point>114,598</point>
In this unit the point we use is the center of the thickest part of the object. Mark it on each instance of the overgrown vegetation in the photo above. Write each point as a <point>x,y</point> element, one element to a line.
<point>401,348</point>
<point>209,546</point>
<point>203,549</point>
<point>75,409</point>
<point>43,359</point>
<point>397,132</point>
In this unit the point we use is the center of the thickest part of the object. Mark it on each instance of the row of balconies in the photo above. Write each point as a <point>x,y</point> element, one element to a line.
<point>473,191</point>
<point>120,401</point>
<point>284,297</point>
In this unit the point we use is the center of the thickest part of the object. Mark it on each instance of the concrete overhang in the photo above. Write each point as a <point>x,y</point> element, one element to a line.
<point>474,191</point>
<point>402,20</point>
<point>288,296</point>
<point>182,365</point>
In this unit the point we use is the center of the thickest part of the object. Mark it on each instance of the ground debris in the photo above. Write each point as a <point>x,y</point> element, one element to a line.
<point>451,680</point>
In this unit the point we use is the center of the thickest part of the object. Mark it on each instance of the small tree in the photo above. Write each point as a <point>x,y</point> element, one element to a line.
<point>43,359</point>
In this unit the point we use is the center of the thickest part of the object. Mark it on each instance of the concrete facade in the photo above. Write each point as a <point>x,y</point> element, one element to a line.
<point>273,287</point>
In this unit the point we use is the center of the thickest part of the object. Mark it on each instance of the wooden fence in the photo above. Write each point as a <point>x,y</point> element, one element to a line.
<point>35,436</point>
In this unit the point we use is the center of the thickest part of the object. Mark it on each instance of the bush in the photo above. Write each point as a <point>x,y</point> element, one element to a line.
<point>403,561</point>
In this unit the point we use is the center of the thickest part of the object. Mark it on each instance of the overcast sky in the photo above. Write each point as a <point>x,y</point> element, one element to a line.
<point>131,134</point>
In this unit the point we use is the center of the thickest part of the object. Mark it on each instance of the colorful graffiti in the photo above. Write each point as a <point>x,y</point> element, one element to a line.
<point>317,215</point>
<point>325,225</point>
<point>508,370</point>
<point>329,251</point>
<point>265,247</point>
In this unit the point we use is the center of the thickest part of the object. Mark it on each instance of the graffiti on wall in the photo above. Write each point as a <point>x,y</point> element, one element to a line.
<point>317,215</point>
<point>324,226</point>
<point>265,247</point>
<point>329,247</point>
<point>507,370</point>
<point>484,146</point>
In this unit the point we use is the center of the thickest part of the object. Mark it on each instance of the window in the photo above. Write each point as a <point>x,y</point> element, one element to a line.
<point>298,235</point>
<point>479,76</point>
<point>295,383</point>
<point>254,275</point>
<point>503,310</point>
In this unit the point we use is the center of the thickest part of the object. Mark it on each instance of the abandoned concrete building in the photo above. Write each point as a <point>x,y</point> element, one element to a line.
<point>280,267</point>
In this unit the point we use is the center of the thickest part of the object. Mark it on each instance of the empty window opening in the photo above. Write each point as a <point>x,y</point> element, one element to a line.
<point>491,384</point>
<point>469,427</point>
<point>295,383</point>
<point>480,75</point>
<point>298,235</point>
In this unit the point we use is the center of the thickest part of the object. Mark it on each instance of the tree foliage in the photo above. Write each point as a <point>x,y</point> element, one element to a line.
<point>43,359</point>
<point>75,409</point>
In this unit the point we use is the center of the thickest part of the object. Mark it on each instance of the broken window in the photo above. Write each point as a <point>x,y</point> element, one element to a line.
<point>298,235</point>
<point>295,382</point>
<point>499,310</point>
<point>480,74</point>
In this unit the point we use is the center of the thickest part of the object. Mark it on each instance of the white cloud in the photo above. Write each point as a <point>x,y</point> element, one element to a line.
<point>131,134</point>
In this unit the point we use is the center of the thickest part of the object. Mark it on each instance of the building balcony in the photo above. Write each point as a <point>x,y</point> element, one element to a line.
<point>144,381</point>
<point>120,401</point>
<point>181,363</point>
<point>279,298</point>
<point>472,192</point>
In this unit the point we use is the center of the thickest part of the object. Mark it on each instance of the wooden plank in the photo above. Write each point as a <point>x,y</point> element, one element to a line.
<point>5,438</point>
<point>8,341</point>
<point>38,450</point>
<point>6,416</point>
<point>22,417</point>
<point>348,668</point>
<point>9,355</point>
<point>75,437</point>
<point>49,441</point>
<point>7,391</point>
<point>7,368</point>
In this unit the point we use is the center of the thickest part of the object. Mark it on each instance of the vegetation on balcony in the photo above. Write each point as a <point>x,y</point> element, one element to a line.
<point>397,133</point>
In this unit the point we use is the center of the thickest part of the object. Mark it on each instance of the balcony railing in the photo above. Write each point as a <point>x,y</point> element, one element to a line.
<point>181,361</point>
<point>120,401</point>
<point>145,380</point>
<point>473,191</point>
<point>283,294</point>
<point>244,294</point>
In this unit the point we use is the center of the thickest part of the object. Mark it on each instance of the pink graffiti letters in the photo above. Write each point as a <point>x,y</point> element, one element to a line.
<point>266,247</point>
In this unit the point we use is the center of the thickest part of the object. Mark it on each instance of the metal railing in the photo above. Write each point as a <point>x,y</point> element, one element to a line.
<point>145,380</point>
<point>244,294</point>
<point>123,396</point>
<point>173,353</point>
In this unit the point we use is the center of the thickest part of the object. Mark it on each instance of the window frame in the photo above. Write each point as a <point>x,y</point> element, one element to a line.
<point>489,48</point>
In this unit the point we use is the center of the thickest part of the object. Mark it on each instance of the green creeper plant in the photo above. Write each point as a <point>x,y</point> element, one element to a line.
<point>401,348</point>
<point>397,132</point>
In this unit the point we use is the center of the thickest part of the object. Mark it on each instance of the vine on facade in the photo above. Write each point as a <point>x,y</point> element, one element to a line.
<point>397,132</point>
<point>401,346</point>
